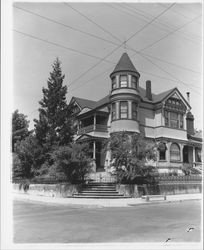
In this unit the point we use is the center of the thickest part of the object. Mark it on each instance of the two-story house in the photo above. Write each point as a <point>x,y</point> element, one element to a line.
<point>165,118</point>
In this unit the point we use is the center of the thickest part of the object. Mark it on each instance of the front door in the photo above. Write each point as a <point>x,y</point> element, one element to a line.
<point>99,157</point>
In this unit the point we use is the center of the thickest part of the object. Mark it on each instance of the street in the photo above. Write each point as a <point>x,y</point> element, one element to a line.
<point>36,222</point>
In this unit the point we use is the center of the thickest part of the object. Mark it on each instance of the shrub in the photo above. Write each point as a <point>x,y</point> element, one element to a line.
<point>71,162</point>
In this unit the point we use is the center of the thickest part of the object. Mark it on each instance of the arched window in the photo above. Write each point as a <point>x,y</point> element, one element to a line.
<point>175,152</point>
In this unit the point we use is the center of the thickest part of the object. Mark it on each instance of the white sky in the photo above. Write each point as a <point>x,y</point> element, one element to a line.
<point>32,59</point>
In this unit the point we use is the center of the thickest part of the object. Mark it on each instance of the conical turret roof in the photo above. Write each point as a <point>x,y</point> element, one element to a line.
<point>125,64</point>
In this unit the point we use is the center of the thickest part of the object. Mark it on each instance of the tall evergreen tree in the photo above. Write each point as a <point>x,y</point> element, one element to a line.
<point>54,127</point>
<point>20,126</point>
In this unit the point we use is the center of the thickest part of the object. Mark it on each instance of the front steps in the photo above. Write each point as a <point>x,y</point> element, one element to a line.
<point>99,190</point>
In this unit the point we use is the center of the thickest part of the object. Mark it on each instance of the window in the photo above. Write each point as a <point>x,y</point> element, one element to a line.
<point>134,82</point>
<point>114,83</point>
<point>175,152</point>
<point>166,116</point>
<point>113,111</point>
<point>123,81</point>
<point>173,119</point>
<point>174,122</point>
<point>134,111</point>
<point>181,121</point>
<point>123,110</point>
<point>197,154</point>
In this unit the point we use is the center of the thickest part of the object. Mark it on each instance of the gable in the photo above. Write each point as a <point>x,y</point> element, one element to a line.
<point>176,102</point>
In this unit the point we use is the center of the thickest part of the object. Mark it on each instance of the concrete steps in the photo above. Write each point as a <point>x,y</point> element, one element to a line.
<point>99,190</point>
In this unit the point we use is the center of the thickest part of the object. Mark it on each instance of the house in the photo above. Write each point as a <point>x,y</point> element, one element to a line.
<point>165,118</point>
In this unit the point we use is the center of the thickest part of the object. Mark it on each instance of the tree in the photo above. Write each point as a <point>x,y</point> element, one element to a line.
<point>28,158</point>
<point>54,126</point>
<point>129,155</point>
<point>71,162</point>
<point>20,126</point>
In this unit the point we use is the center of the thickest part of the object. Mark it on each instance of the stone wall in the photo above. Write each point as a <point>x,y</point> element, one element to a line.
<point>50,190</point>
<point>163,189</point>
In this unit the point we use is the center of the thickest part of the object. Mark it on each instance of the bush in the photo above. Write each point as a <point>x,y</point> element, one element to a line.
<point>70,162</point>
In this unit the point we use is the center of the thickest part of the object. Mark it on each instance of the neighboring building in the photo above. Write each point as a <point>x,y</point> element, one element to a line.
<point>164,118</point>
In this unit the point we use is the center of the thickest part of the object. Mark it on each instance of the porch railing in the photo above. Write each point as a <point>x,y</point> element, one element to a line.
<point>90,128</point>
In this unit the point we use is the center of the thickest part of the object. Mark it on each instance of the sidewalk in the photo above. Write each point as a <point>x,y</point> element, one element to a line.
<point>105,202</point>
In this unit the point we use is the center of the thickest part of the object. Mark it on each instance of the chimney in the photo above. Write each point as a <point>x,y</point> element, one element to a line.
<point>148,90</point>
<point>188,97</point>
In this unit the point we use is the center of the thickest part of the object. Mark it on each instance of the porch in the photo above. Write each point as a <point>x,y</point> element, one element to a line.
<point>94,122</point>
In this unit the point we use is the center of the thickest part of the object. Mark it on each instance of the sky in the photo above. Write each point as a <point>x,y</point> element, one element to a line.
<point>164,42</point>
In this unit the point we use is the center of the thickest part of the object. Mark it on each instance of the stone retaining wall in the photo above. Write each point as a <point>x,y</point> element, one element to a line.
<point>50,190</point>
<point>163,189</point>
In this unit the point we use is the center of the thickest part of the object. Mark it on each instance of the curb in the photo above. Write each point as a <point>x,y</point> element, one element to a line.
<point>57,202</point>
<point>162,202</point>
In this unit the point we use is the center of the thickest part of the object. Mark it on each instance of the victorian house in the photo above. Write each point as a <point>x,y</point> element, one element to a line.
<point>165,118</point>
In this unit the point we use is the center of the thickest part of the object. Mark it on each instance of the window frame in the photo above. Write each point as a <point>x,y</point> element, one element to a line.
<point>134,84</point>
<point>114,83</point>
<point>134,111</point>
<point>121,110</point>
<point>175,155</point>
<point>113,111</point>
<point>126,85</point>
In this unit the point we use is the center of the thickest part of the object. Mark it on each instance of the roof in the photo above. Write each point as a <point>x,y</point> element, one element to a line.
<point>102,101</point>
<point>124,64</point>
<point>85,103</point>
<point>156,98</point>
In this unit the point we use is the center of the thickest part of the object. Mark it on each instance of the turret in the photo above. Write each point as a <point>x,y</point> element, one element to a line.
<point>125,96</point>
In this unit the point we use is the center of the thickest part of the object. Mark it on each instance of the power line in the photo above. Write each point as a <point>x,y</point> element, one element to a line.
<point>164,24</point>
<point>170,33</point>
<point>170,74</point>
<point>65,25</point>
<point>90,20</point>
<point>170,63</point>
<point>60,46</point>
<point>93,78</point>
<point>137,32</point>
<point>92,35</point>
<point>147,18</point>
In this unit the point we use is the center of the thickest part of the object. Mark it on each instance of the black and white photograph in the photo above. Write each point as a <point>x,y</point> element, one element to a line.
<point>102,125</point>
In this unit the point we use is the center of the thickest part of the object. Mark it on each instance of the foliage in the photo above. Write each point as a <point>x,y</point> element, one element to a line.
<point>28,158</point>
<point>54,126</point>
<point>71,161</point>
<point>129,153</point>
<point>20,126</point>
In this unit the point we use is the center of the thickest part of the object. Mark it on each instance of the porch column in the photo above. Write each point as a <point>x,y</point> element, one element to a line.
<point>94,150</point>
<point>94,121</point>
<point>94,156</point>
<point>193,155</point>
<point>181,152</point>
